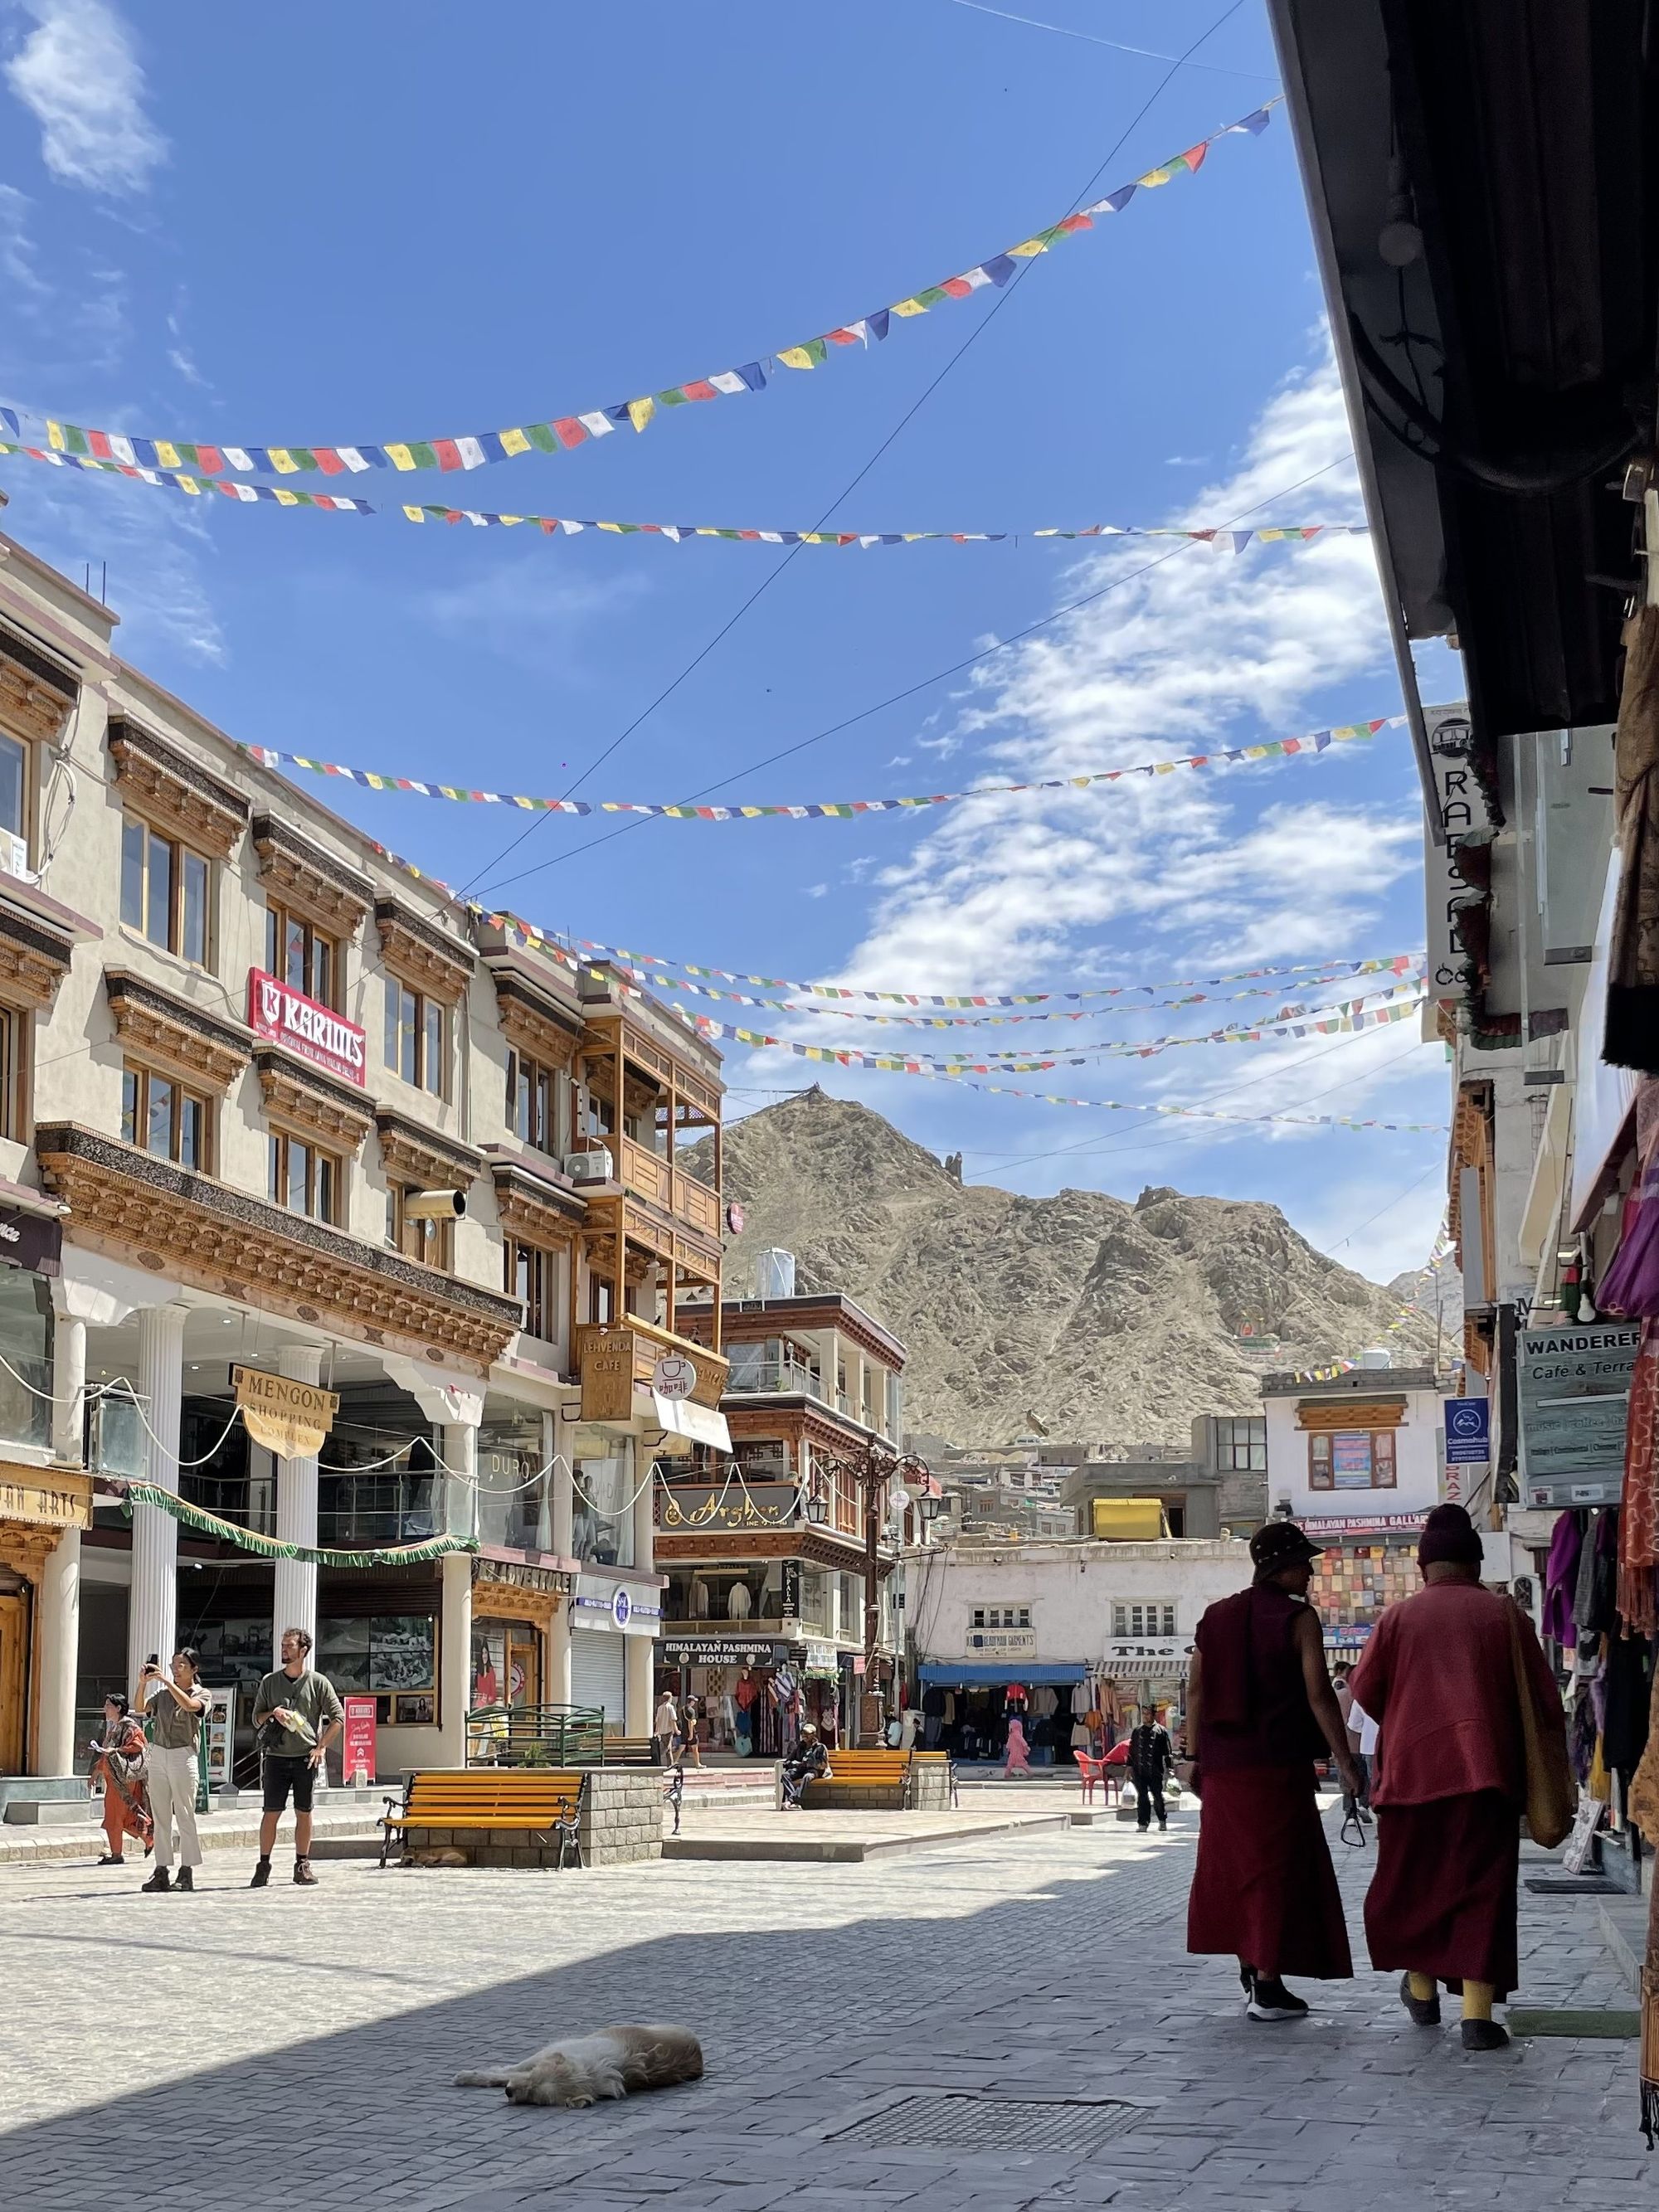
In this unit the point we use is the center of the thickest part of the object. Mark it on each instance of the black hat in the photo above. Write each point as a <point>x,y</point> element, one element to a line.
<point>1281,1544</point>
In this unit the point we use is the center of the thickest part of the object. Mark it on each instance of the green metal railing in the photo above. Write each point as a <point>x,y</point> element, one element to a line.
<point>535,1735</point>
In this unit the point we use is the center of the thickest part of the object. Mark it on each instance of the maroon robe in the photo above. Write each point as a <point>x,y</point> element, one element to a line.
<point>1264,1890</point>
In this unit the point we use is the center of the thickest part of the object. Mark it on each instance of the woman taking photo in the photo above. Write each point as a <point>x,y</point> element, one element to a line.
<point>176,1704</point>
<point>117,1764</point>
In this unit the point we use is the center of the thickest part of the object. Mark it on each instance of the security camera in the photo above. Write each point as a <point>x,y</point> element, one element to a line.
<point>435,1206</point>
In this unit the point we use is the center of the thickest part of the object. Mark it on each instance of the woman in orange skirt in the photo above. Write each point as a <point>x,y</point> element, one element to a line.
<point>118,1765</point>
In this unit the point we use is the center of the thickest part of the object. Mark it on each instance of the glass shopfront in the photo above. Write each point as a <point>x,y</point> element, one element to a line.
<point>515,1494</point>
<point>506,1663</point>
<point>604,1482</point>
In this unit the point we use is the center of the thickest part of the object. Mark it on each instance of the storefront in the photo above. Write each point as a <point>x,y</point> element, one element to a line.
<point>966,1706</point>
<point>750,1690</point>
<point>41,1513</point>
<point>607,1617</point>
<point>513,1609</point>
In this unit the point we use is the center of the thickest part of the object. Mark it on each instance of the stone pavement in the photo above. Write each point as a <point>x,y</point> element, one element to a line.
<point>291,2048</point>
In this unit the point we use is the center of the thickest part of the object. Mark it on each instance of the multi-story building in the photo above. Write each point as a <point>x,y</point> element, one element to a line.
<point>766,1561</point>
<point>271,1102</point>
<point>1216,1485</point>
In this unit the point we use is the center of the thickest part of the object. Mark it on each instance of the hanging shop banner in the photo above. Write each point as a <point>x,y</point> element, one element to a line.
<point>288,1418</point>
<point>357,1748</point>
<point>480,448</point>
<point>316,1032</point>
<point>272,1547</point>
<point>1573,1390</point>
<point>841,810</point>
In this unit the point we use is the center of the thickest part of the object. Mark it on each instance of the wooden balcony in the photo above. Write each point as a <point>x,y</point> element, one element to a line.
<point>604,1352</point>
<point>648,1176</point>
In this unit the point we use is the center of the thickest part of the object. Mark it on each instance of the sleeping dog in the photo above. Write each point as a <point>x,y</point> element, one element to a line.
<point>583,2069</point>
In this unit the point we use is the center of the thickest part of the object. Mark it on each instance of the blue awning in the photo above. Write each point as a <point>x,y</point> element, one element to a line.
<point>969,1674</point>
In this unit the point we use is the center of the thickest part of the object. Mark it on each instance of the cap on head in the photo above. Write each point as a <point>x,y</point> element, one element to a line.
<point>1281,1544</point>
<point>810,1728</point>
<point>1449,1535</point>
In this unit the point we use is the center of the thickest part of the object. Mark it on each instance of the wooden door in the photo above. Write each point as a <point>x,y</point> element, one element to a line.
<point>14,1682</point>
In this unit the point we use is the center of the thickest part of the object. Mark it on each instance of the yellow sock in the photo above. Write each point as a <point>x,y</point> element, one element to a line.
<point>1423,1988</point>
<point>1477,2000</point>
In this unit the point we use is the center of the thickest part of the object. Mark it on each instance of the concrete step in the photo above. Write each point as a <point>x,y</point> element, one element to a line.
<point>1625,1931</point>
<point>234,1830</point>
<point>47,1812</point>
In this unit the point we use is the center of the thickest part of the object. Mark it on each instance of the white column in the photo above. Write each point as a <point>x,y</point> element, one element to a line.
<point>642,1650</point>
<point>460,1452</point>
<point>557,1691</point>
<point>153,1608</point>
<point>68,1388</point>
<point>294,1584</point>
<point>60,1654</point>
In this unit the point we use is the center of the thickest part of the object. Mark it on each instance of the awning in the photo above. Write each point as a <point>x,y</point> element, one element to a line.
<point>968,1674</point>
<point>700,1425</point>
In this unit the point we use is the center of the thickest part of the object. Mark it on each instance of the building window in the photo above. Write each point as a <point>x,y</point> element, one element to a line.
<point>14,1033</point>
<point>303,957</point>
<point>1241,1446</point>
<point>1002,1616</point>
<point>416,1031</point>
<point>15,810</point>
<point>1155,1617</point>
<point>531,1276</point>
<point>532,1090</point>
<point>165,892</point>
<point>1351,1459</point>
<point>164,1119</point>
<point>431,1243</point>
<point>303,1178</point>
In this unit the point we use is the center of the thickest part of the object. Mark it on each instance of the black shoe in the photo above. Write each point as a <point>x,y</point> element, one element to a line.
<point>1425,2011</point>
<point>1365,1815</point>
<point>186,1879</point>
<point>1485,2035</point>
<point>159,1883</point>
<point>1164,1827</point>
<point>112,1858</point>
<point>1271,2000</point>
<point>1247,1978</point>
<point>303,1874</point>
<point>261,1874</point>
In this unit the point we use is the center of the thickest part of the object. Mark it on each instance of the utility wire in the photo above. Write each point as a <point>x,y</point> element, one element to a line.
<point>1093,39</point>
<point>910,415</point>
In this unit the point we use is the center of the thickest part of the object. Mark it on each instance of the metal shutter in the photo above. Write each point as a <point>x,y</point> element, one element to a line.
<point>599,1674</point>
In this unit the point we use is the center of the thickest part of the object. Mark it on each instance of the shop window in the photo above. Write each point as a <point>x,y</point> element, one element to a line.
<point>416,1038</point>
<point>1351,1459</point>
<point>432,1243</point>
<point>1241,1446</point>
<point>162,1118</point>
<point>384,1655</point>
<point>506,1663</point>
<point>305,958</point>
<point>514,1487</point>
<point>14,1033</point>
<point>531,1112</point>
<point>1002,1616</point>
<point>26,1345</point>
<point>305,1179</point>
<point>1153,1617</point>
<point>165,892</point>
<point>602,1524</point>
<point>533,1275</point>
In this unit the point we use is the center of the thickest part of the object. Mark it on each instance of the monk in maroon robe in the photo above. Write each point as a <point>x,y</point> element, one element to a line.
<point>1259,1712</point>
<point>1439,1675</point>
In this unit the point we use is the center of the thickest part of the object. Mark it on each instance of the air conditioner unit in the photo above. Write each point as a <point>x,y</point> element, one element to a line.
<point>596,1166</point>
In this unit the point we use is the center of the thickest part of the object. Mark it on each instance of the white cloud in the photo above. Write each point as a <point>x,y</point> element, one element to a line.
<point>180,357</point>
<point>78,74</point>
<point>17,247</point>
<point>529,604</point>
<point>815,890</point>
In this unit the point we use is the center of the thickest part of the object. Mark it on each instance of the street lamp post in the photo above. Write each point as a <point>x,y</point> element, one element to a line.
<point>874,1470</point>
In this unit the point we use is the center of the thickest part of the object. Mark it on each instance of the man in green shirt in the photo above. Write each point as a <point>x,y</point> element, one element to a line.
<point>296,1716</point>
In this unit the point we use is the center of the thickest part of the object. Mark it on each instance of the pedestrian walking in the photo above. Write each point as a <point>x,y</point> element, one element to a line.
<point>1019,1759</point>
<point>1151,1756</point>
<point>1458,1683</point>
<point>296,1716</point>
<point>1259,1712</point>
<point>664,1729</point>
<point>118,1763</point>
<point>1356,1809</point>
<point>174,1703</point>
<point>689,1719</point>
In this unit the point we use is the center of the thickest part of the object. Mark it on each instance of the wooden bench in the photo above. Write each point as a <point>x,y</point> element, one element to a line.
<point>465,1808</point>
<point>894,1778</point>
<point>629,1751</point>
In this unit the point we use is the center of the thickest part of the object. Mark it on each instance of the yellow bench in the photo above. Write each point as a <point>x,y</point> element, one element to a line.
<point>887,1772</point>
<point>521,1801</point>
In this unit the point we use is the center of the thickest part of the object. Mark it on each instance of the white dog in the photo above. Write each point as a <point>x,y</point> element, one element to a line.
<point>583,2069</point>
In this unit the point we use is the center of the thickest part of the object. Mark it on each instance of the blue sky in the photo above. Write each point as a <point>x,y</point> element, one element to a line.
<point>366,223</point>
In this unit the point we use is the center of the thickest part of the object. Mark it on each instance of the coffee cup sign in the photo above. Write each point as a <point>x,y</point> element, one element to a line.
<point>673,1376</point>
<point>288,1418</point>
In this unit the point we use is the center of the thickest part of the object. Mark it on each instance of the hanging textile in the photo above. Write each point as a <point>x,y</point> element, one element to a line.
<point>1638,1516</point>
<point>1631,1036</point>
<point>270,1547</point>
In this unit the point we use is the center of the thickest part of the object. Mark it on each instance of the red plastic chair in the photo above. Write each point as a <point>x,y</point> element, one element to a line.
<point>1098,1772</point>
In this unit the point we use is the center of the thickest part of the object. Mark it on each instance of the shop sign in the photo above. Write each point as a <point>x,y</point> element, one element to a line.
<point>822,1659</point>
<point>288,1418</point>
<point>30,1241</point>
<point>673,1376</point>
<point>1319,1524</point>
<point>613,1605</point>
<point>740,1506</point>
<point>515,1574</point>
<point>682,1649</point>
<point>357,1752</point>
<point>46,1501</point>
<point>608,1377</point>
<point>1008,1642</point>
<point>316,1032</point>
<point>219,1723</point>
<point>1468,1432</point>
<point>1349,1639</point>
<point>1573,1390</point>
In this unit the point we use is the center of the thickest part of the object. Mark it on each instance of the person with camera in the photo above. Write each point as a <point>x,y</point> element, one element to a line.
<point>296,1716</point>
<point>174,1705</point>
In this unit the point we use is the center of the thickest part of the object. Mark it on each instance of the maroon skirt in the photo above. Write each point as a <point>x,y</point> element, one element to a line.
<point>1443,1900</point>
<point>1264,1890</point>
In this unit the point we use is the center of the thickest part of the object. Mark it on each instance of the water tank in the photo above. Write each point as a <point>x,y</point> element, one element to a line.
<point>774,1275</point>
<point>1377,1355</point>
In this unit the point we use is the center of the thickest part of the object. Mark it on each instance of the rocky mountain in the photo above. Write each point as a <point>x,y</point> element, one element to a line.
<point>1111,1323</point>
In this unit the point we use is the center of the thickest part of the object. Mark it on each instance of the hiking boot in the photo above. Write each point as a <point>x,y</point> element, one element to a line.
<point>1271,2000</point>
<point>1485,2035</point>
<point>1425,2011</point>
<point>159,1883</point>
<point>185,1880</point>
<point>303,1874</point>
<point>261,1874</point>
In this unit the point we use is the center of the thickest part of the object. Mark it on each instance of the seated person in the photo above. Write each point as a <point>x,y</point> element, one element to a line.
<point>808,1762</point>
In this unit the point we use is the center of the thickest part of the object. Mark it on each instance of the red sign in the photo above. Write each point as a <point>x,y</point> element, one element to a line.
<point>358,1743</point>
<point>314,1031</point>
